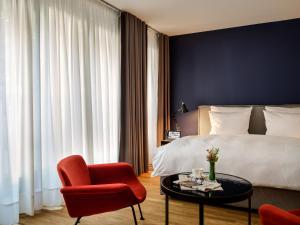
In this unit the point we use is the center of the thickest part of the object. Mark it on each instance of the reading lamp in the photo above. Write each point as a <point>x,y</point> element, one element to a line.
<point>181,110</point>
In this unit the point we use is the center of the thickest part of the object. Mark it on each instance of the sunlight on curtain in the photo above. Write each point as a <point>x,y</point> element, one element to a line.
<point>59,95</point>
<point>8,194</point>
<point>18,67</point>
<point>152,66</point>
<point>80,83</point>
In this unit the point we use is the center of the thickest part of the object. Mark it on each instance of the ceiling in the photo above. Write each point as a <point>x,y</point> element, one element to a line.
<point>175,17</point>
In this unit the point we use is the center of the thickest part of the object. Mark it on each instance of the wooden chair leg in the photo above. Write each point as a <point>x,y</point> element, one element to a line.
<point>77,221</point>
<point>134,217</point>
<point>141,213</point>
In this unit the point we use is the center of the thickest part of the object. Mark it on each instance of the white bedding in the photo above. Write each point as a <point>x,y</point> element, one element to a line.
<point>266,161</point>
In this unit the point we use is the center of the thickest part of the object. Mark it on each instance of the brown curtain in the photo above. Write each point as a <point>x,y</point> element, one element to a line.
<point>134,137</point>
<point>163,117</point>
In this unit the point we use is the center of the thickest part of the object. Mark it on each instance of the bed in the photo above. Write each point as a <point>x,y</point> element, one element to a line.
<point>276,177</point>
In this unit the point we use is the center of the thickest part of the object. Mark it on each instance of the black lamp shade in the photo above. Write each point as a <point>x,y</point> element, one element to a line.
<point>182,108</point>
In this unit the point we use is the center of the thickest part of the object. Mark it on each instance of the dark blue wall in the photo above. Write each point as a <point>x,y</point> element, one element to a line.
<point>257,64</point>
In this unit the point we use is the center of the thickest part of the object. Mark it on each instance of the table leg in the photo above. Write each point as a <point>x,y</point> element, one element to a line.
<point>201,214</point>
<point>167,210</point>
<point>249,210</point>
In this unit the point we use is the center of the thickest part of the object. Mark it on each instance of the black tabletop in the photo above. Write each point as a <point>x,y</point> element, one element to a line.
<point>235,189</point>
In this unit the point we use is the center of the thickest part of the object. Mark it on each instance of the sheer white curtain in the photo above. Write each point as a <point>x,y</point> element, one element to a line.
<point>59,95</point>
<point>152,83</point>
<point>18,68</point>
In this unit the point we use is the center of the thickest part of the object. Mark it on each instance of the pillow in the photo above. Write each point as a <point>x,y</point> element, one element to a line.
<point>229,122</point>
<point>282,124</point>
<point>230,109</point>
<point>283,109</point>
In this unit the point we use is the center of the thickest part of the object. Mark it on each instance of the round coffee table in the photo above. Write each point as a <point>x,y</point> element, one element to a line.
<point>235,189</point>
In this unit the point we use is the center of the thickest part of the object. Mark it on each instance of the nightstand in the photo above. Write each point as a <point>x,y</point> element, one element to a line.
<point>166,141</point>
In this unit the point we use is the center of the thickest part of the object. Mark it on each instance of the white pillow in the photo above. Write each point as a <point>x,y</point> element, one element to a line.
<point>282,124</point>
<point>230,109</point>
<point>283,109</point>
<point>229,122</point>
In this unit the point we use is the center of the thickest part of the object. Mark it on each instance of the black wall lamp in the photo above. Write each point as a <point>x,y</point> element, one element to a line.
<point>181,110</point>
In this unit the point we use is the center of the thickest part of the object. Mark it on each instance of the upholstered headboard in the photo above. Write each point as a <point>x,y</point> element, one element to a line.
<point>257,120</point>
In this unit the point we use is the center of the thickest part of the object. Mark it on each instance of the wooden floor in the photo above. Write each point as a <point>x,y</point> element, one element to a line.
<point>181,213</point>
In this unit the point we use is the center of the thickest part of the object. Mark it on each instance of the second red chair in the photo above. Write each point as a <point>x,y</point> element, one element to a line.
<point>271,215</point>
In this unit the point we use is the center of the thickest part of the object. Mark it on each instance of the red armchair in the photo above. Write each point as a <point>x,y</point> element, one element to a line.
<point>99,188</point>
<point>271,215</point>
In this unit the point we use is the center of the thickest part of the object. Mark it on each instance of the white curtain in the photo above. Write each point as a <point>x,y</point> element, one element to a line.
<point>59,95</point>
<point>152,89</point>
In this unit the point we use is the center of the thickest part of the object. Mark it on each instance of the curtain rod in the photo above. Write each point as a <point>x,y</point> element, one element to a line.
<point>109,5</point>
<point>119,10</point>
<point>154,29</point>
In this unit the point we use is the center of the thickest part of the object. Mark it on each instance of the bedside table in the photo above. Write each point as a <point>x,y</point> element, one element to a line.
<point>166,141</point>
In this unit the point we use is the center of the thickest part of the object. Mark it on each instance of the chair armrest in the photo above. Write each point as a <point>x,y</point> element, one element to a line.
<point>272,215</point>
<point>111,172</point>
<point>295,212</point>
<point>100,189</point>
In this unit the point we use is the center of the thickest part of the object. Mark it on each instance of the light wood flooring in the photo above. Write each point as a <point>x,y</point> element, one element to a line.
<point>181,213</point>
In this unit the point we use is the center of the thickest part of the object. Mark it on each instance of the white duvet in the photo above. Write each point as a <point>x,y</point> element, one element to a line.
<point>266,161</point>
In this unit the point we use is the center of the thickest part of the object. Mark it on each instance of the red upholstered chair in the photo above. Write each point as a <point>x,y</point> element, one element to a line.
<point>99,188</point>
<point>271,215</point>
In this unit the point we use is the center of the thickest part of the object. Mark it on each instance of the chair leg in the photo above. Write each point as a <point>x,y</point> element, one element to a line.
<point>141,213</point>
<point>77,221</point>
<point>133,212</point>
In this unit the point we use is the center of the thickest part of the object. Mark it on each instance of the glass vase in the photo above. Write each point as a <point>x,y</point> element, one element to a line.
<point>212,173</point>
